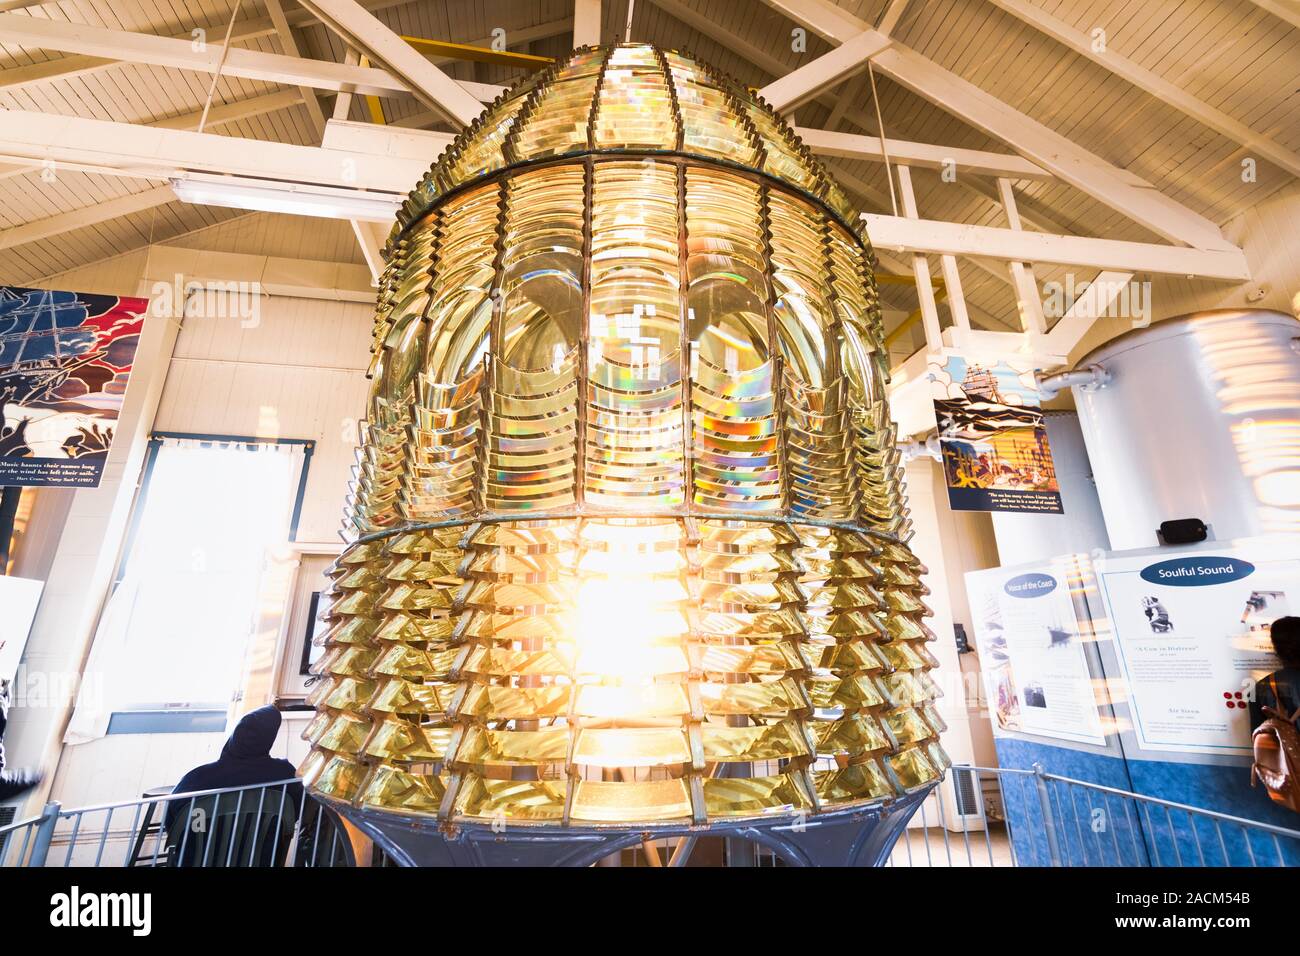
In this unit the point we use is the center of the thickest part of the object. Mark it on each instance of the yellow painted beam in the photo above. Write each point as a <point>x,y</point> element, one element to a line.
<point>479,54</point>
<point>373,105</point>
<point>939,295</point>
<point>888,278</point>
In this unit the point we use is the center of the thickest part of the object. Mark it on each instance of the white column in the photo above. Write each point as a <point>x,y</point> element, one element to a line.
<point>586,23</point>
<point>949,544</point>
<point>921,269</point>
<point>1022,273</point>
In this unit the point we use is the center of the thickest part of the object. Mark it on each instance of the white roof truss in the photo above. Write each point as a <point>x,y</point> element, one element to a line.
<point>1121,190</point>
<point>1156,85</point>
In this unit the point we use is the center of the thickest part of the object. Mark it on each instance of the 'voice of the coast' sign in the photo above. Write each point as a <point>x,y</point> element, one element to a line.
<point>1031,585</point>
<point>1197,572</point>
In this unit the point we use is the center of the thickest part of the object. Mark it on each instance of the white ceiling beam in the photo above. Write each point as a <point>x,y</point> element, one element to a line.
<point>220,114</point>
<point>955,296</point>
<point>289,46</point>
<point>366,33</point>
<point>343,102</point>
<point>1118,188</point>
<point>371,237</point>
<point>856,146</point>
<point>275,275</point>
<point>389,141</point>
<point>79,65</point>
<point>1288,10</point>
<point>895,263</point>
<point>759,57</point>
<point>234,111</point>
<point>123,149</point>
<point>66,67</point>
<point>977,161</point>
<point>921,269</point>
<point>963,239</point>
<point>1028,303</point>
<point>1087,308</point>
<point>86,216</point>
<point>102,42</point>
<point>1152,83</point>
<point>586,23</point>
<point>851,92</point>
<point>822,17</point>
<point>893,13</point>
<point>849,58</point>
<point>1036,218</point>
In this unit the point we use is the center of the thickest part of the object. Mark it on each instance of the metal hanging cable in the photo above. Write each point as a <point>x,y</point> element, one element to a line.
<point>221,65</point>
<point>880,127</point>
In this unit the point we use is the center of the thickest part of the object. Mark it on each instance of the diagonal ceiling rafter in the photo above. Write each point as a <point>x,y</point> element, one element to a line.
<point>811,79</point>
<point>365,32</point>
<point>1118,188</point>
<point>1152,83</point>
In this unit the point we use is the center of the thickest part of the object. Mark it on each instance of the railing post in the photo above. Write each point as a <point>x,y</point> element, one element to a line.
<point>1049,820</point>
<point>49,819</point>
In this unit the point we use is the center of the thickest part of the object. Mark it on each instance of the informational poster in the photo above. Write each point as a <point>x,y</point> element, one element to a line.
<point>1191,633</point>
<point>18,600</point>
<point>995,451</point>
<point>1032,655</point>
<point>65,359</point>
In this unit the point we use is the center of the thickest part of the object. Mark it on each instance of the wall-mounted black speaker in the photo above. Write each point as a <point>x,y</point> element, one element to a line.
<point>963,642</point>
<point>1183,531</point>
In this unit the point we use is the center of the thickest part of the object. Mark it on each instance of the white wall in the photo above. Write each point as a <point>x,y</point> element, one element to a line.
<point>297,371</point>
<point>950,543</point>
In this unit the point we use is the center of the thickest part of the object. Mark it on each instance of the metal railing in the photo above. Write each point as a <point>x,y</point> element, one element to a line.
<point>997,816</point>
<point>978,817</point>
<point>267,824</point>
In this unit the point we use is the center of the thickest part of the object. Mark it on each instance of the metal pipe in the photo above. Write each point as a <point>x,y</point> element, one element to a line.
<point>920,448</point>
<point>1089,377</point>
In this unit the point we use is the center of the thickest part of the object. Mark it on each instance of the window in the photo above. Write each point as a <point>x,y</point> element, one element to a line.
<point>175,630</point>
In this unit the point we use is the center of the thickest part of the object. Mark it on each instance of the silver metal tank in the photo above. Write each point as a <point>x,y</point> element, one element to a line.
<point>1200,419</point>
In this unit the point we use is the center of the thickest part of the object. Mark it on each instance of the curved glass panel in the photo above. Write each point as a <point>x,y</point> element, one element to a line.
<point>727,289</point>
<point>541,268</point>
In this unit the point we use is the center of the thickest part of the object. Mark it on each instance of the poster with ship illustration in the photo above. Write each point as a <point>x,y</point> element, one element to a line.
<point>65,358</point>
<point>995,451</point>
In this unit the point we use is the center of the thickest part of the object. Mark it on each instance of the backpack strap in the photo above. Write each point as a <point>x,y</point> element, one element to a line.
<point>1279,711</point>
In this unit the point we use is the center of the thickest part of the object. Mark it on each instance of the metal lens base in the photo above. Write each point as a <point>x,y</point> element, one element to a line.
<point>849,837</point>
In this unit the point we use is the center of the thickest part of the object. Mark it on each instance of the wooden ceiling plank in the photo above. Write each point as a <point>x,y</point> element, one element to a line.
<point>1152,83</point>
<point>99,212</point>
<point>1121,190</point>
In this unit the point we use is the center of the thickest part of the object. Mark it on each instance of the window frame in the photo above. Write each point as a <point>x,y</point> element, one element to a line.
<point>175,717</point>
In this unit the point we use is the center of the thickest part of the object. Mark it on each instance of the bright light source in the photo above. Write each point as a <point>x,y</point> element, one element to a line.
<point>292,198</point>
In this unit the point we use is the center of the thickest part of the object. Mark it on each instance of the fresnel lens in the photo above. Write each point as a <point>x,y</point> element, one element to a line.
<point>627,531</point>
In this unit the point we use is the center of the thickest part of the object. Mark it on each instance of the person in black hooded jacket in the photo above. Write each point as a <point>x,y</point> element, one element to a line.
<point>245,759</point>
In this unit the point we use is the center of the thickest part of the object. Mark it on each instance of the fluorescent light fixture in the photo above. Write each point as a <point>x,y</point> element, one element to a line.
<point>299,199</point>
